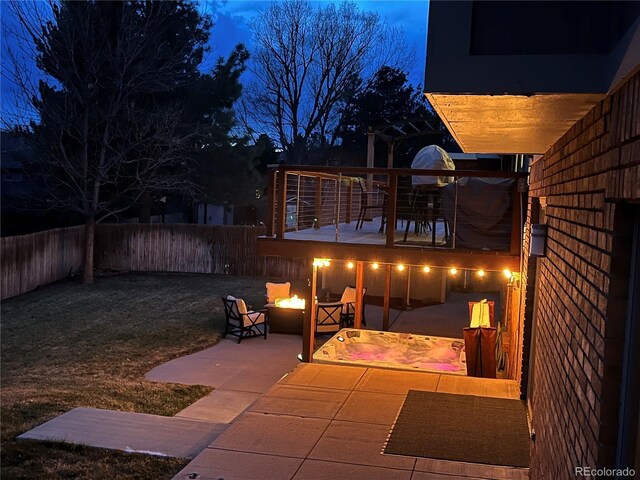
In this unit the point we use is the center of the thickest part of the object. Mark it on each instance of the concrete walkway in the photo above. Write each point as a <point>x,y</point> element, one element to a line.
<point>328,421</point>
<point>130,432</point>
<point>241,373</point>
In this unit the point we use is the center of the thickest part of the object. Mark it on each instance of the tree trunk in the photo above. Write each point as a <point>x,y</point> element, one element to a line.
<point>89,235</point>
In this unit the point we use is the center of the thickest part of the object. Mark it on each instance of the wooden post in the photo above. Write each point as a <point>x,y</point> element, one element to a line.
<point>387,298</point>
<point>357,323</point>
<point>407,288</point>
<point>349,201</point>
<point>371,146</point>
<point>281,220</point>
<point>271,202</point>
<point>390,148</point>
<point>371,140</point>
<point>392,198</point>
<point>309,324</point>
<point>318,205</point>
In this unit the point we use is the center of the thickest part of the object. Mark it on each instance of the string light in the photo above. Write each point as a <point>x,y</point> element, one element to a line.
<point>453,271</point>
<point>375,265</point>
<point>321,262</point>
<point>426,269</point>
<point>481,273</point>
<point>350,265</point>
<point>507,273</point>
<point>400,267</point>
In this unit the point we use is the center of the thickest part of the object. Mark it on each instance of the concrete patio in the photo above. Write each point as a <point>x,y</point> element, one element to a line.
<point>326,421</point>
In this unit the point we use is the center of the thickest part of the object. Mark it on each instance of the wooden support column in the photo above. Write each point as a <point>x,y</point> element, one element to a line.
<point>349,201</point>
<point>318,205</point>
<point>387,298</point>
<point>308,326</point>
<point>281,220</point>
<point>271,202</point>
<point>407,288</point>
<point>371,155</point>
<point>390,148</point>
<point>392,199</point>
<point>357,323</point>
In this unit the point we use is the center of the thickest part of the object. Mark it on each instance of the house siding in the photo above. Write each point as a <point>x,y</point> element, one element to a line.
<point>579,338</point>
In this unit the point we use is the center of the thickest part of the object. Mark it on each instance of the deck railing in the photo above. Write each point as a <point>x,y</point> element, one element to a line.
<point>473,210</point>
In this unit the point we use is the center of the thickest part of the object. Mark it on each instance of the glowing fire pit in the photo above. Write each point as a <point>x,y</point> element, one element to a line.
<point>293,302</point>
<point>286,315</point>
<point>401,351</point>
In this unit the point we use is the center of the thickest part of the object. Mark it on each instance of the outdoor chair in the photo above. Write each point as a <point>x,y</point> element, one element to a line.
<point>348,300</point>
<point>241,322</point>
<point>368,202</point>
<point>276,290</point>
<point>328,317</point>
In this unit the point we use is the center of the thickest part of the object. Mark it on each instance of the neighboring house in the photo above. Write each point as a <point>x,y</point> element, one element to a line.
<point>23,204</point>
<point>213,214</point>
<point>559,81</point>
<point>15,184</point>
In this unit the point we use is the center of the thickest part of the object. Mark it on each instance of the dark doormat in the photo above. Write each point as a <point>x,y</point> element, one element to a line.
<point>462,428</point>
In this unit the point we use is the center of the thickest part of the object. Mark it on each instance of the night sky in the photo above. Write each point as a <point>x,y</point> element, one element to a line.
<point>231,26</point>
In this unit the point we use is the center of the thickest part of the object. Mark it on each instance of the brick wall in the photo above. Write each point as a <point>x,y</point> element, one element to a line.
<point>583,176</point>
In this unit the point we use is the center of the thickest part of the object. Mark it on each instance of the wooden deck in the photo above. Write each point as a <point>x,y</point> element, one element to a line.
<point>369,234</point>
<point>369,243</point>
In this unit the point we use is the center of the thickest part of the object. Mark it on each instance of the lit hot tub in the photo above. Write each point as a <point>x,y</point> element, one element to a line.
<point>404,351</point>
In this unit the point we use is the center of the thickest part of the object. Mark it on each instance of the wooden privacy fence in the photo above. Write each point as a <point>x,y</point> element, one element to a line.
<point>188,249</point>
<point>40,258</point>
<point>29,261</point>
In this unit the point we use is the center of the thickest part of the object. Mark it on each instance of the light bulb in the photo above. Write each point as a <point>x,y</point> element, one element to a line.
<point>375,265</point>
<point>426,269</point>
<point>453,271</point>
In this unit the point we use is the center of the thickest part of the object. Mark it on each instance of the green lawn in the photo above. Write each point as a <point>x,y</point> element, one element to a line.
<point>69,345</point>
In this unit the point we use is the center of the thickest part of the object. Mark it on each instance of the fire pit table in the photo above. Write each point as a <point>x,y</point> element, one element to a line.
<point>286,315</point>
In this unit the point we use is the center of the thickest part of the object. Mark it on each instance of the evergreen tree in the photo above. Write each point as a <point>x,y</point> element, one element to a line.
<point>388,98</point>
<point>111,111</point>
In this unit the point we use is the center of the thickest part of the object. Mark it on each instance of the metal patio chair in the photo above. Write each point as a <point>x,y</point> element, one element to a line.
<point>243,323</point>
<point>328,317</point>
<point>348,314</point>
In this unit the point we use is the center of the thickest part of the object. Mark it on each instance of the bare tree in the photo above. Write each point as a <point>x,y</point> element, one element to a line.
<point>109,105</point>
<point>307,59</point>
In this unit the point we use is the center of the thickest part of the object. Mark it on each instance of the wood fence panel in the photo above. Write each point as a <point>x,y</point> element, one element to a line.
<point>29,261</point>
<point>44,257</point>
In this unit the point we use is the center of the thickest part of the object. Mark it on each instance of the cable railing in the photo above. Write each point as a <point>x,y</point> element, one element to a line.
<point>449,209</point>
